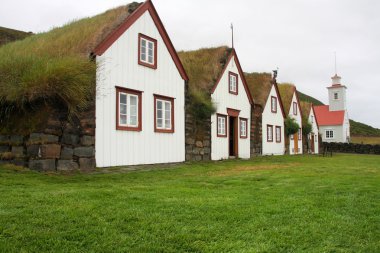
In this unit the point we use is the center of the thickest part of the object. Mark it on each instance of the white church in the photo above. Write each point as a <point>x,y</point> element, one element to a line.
<point>333,121</point>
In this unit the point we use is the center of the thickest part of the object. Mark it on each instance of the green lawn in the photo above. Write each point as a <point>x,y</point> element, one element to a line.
<point>268,204</point>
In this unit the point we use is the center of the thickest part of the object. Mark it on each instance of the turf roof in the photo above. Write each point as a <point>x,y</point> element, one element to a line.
<point>55,67</point>
<point>204,66</point>
<point>286,92</point>
<point>259,85</point>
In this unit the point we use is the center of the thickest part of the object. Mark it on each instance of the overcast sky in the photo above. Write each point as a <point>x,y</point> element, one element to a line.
<point>297,36</point>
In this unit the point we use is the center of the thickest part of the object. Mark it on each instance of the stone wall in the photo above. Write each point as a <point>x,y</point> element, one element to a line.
<point>351,148</point>
<point>61,145</point>
<point>256,130</point>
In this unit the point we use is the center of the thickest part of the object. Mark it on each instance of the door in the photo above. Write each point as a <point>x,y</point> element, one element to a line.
<point>296,143</point>
<point>312,143</point>
<point>233,138</point>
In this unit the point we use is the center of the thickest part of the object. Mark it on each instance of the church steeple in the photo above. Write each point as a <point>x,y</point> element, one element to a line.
<point>337,94</point>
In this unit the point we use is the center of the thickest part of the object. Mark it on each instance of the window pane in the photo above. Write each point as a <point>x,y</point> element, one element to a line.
<point>123,119</point>
<point>133,120</point>
<point>123,98</point>
<point>150,44</point>
<point>143,57</point>
<point>123,109</point>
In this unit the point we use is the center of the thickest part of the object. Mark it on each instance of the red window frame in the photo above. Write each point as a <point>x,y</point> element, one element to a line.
<point>217,125</point>
<point>269,127</point>
<point>167,99</point>
<point>295,108</point>
<point>146,64</point>
<point>246,128</point>
<point>274,110</point>
<point>277,140</point>
<point>139,108</point>
<point>229,83</point>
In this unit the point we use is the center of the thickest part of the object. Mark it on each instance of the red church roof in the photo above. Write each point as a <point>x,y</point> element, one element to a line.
<point>325,117</point>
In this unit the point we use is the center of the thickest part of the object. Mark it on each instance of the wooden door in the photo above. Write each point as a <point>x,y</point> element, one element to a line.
<point>296,143</point>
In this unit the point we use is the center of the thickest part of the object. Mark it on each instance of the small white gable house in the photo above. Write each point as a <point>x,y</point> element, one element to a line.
<point>267,97</point>
<point>333,121</point>
<point>139,94</point>
<point>230,131</point>
<point>292,107</point>
<point>312,139</point>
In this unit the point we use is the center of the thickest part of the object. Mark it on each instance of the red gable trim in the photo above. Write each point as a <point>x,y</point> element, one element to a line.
<point>130,20</point>
<point>233,54</point>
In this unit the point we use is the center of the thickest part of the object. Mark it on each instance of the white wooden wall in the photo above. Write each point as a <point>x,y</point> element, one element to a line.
<point>274,119</point>
<point>118,66</point>
<point>298,119</point>
<point>223,100</point>
<point>314,131</point>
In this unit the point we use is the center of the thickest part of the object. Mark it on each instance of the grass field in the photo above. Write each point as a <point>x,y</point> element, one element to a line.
<point>269,204</point>
<point>365,140</point>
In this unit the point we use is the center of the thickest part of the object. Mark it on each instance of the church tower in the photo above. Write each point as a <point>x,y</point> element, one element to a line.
<point>337,95</point>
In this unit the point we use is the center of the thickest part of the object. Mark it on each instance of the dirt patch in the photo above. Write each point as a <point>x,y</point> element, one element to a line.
<point>240,169</point>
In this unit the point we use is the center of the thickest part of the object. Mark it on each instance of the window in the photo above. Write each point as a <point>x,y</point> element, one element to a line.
<point>300,134</point>
<point>269,133</point>
<point>147,51</point>
<point>329,134</point>
<point>312,119</point>
<point>243,128</point>
<point>278,134</point>
<point>221,125</point>
<point>336,96</point>
<point>128,109</point>
<point>274,104</point>
<point>295,108</point>
<point>164,114</point>
<point>233,83</point>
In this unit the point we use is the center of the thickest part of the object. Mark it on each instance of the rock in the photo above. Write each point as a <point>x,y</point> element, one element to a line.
<point>198,158</point>
<point>42,165</point>
<point>202,152</point>
<point>67,153</point>
<point>50,151</point>
<point>18,151</point>
<point>207,150</point>
<point>53,131</point>
<point>16,140</point>
<point>196,151</point>
<point>19,162</point>
<point>190,141</point>
<point>67,165</point>
<point>38,138</point>
<point>70,139</point>
<point>87,140</point>
<point>4,149</point>
<point>33,151</point>
<point>4,140</point>
<point>199,144</point>
<point>87,163</point>
<point>7,156</point>
<point>206,143</point>
<point>88,131</point>
<point>84,151</point>
<point>188,157</point>
<point>206,158</point>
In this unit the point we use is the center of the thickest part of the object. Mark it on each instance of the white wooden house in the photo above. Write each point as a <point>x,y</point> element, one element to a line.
<point>312,139</point>
<point>333,121</point>
<point>292,107</point>
<point>230,131</point>
<point>266,95</point>
<point>216,72</point>
<point>140,94</point>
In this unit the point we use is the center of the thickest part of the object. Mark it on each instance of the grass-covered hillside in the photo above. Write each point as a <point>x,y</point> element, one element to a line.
<point>267,204</point>
<point>8,35</point>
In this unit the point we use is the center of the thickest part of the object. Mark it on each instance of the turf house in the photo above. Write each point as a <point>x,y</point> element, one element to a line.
<point>270,111</point>
<point>219,108</point>
<point>102,91</point>
<point>311,140</point>
<point>291,103</point>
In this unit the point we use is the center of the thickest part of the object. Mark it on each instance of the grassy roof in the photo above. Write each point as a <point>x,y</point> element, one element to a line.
<point>55,67</point>
<point>259,85</point>
<point>305,108</point>
<point>204,66</point>
<point>286,92</point>
<point>8,35</point>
